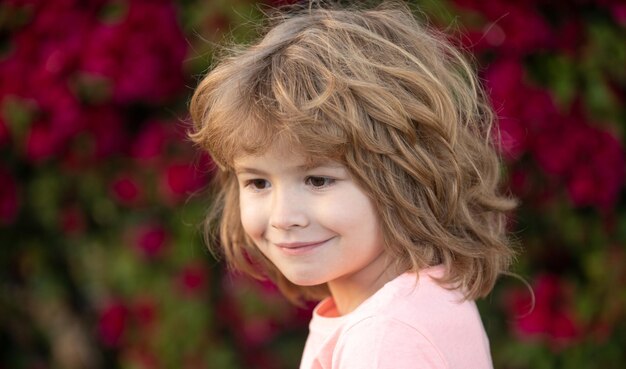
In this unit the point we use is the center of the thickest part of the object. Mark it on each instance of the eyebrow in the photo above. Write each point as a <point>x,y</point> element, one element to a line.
<point>318,164</point>
<point>248,170</point>
<point>304,167</point>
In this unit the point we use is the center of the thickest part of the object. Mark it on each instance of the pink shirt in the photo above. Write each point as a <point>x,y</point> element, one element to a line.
<point>405,324</point>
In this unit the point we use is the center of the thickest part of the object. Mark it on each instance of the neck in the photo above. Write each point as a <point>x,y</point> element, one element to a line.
<point>350,291</point>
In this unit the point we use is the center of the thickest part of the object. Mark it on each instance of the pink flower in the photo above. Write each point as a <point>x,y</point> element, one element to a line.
<point>556,149</point>
<point>192,279</point>
<point>512,139</point>
<point>552,317</point>
<point>126,190</point>
<point>525,30</point>
<point>150,142</point>
<point>41,64</point>
<point>9,200</point>
<point>106,127</point>
<point>151,240</point>
<point>63,112</point>
<point>144,65</point>
<point>504,80</point>
<point>113,323</point>
<point>582,186</point>
<point>597,178</point>
<point>537,109</point>
<point>41,143</point>
<point>181,179</point>
<point>588,160</point>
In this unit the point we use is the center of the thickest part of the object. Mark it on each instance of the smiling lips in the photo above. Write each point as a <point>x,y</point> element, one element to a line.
<point>298,248</point>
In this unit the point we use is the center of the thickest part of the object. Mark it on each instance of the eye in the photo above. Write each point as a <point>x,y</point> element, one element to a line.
<point>257,184</point>
<point>319,182</point>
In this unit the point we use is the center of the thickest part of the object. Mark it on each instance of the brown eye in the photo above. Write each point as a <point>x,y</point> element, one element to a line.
<point>319,182</point>
<point>258,184</point>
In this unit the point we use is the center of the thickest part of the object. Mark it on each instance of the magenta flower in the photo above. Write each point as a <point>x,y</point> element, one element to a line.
<point>151,239</point>
<point>597,178</point>
<point>106,128</point>
<point>42,143</point>
<point>143,65</point>
<point>588,160</point>
<point>512,137</point>
<point>126,190</point>
<point>555,149</point>
<point>113,323</point>
<point>150,142</point>
<point>552,317</point>
<point>525,30</point>
<point>537,109</point>
<point>504,81</point>
<point>180,180</point>
<point>192,279</point>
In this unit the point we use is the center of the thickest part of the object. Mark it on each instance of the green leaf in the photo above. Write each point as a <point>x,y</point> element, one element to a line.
<point>19,114</point>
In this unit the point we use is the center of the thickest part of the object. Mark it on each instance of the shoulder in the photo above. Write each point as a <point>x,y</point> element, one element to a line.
<point>414,321</point>
<point>382,341</point>
<point>420,302</point>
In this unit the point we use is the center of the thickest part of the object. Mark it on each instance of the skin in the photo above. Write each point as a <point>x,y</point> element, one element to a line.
<point>314,223</point>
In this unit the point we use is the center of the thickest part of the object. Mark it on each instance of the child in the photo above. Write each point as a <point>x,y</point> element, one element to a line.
<point>355,168</point>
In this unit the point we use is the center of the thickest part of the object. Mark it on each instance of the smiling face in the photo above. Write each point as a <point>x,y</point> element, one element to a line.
<point>313,222</point>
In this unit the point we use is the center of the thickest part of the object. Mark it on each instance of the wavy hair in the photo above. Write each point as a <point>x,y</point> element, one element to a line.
<point>392,100</point>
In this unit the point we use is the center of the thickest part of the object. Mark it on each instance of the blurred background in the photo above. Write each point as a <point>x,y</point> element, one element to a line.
<point>101,259</point>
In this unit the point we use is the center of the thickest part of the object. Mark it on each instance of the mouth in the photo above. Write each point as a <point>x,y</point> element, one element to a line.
<point>298,248</point>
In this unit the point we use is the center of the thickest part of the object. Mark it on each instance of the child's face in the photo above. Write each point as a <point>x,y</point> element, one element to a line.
<point>315,224</point>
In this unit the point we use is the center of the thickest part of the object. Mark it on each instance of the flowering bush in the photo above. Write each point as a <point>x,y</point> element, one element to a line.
<point>100,194</point>
<point>102,264</point>
<point>556,78</point>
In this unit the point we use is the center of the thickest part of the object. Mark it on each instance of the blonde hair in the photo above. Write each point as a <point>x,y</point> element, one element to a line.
<point>391,100</point>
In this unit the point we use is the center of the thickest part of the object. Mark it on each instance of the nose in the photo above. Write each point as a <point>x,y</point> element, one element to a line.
<point>288,209</point>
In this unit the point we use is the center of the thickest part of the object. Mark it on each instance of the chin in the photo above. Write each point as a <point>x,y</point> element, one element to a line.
<point>305,281</point>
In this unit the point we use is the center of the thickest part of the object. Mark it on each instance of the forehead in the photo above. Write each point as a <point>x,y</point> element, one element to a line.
<point>281,156</point>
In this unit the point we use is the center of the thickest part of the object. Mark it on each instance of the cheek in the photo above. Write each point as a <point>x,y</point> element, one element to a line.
<point>353,210</point>
<point>368,221</point>
<point>252,218</point>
